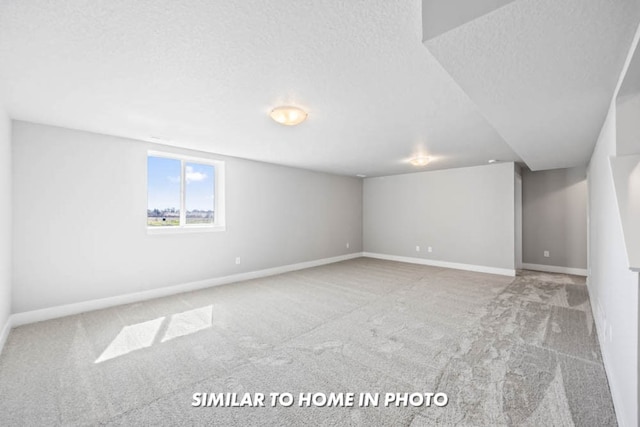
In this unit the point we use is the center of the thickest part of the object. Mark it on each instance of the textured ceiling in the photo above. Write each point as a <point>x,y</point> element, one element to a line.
<point>204,75</point>
<point>439,16</point>
<point>543,72</point>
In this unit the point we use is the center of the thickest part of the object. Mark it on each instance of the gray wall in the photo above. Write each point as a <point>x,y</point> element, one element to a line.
<point>80,203</point>
<point>554,208</point>
<point>466,215</point>
<point>5,221</point>
<point>613,288</point>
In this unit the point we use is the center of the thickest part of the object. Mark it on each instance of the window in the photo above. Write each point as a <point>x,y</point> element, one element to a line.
<point>184,193</point>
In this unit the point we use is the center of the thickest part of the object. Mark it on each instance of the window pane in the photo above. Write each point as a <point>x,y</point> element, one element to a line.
<point>163,191</point>
<point>199,197</point>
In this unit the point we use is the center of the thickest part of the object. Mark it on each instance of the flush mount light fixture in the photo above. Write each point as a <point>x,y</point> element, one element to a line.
<point>288,115</point>
<point>493,161</point>
<point>361,175</point>
<point>420,161</point>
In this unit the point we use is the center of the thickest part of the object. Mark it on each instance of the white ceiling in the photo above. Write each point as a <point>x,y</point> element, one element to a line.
<point>543,72</point>
<point>205,74</point>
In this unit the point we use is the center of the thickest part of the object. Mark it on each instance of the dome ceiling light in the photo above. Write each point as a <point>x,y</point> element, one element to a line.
<point>420,160</point>
<point>288,115</point>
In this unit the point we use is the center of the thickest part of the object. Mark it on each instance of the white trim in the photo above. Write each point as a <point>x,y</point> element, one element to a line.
<point>445,264</point>
<point>219,173</point>
<point>5,332</point>
<point>183,200</point>
<point>555,269</point>
<point>178,229</point>
<point>178,156</point>
<point>97,304</point>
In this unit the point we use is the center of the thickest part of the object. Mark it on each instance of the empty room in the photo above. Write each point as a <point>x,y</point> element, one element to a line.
<point>329,212</point>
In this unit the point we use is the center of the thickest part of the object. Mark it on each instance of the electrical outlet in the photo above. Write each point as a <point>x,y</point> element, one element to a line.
<point>610,333</point>
<point>429,249</point>
<point>347,245</point>
<point>417,248</point>
<point>546,254</point>
<point>237,260</point>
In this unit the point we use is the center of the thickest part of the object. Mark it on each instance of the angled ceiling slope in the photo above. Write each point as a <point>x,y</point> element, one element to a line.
<point>439,16</point>
<point>631,83</point>
<point>628,109</point>
<point>543,72</point>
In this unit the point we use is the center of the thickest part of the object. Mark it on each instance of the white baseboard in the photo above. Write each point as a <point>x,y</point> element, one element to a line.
<point>97,304</point>
<point>5,332</point>
<point>555,269</point>
<point>445,264</point>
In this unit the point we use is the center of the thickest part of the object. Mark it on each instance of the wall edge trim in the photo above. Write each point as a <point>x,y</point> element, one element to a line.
<point>33,316</point>
<point>4,335</point>
<point>445,264</point>
<point>555,269</point>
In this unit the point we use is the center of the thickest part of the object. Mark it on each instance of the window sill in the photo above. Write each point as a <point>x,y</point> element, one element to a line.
<point>186,229</point>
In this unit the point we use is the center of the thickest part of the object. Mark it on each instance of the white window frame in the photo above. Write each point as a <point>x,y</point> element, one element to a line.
<point>218,191</point>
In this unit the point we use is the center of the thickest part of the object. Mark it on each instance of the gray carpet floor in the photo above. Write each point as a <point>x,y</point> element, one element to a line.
<point>507,352</point>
